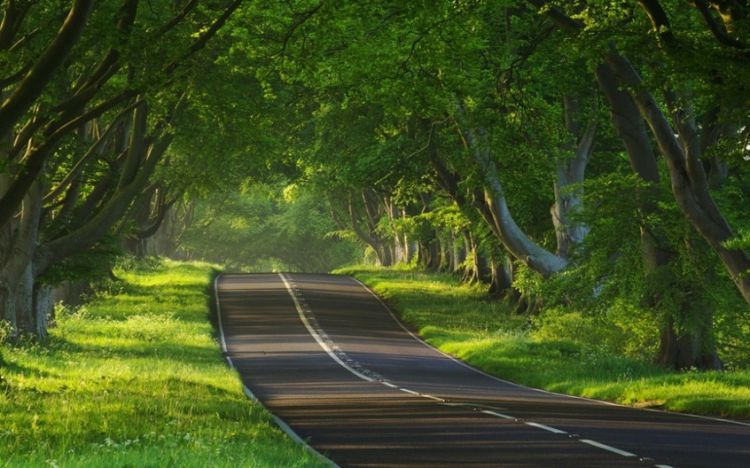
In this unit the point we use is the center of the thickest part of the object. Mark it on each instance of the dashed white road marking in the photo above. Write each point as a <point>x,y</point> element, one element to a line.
<point>608,448</point>
<point>499,415</point>
<point>554,430</point>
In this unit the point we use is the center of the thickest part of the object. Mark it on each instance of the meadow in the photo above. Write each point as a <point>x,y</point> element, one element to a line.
<point>135,378</point>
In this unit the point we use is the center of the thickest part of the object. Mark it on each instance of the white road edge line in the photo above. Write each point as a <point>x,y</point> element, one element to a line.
<point>249,393</point>
<point>608,448</point>
<point>663,466</point>
<point>554,430</point>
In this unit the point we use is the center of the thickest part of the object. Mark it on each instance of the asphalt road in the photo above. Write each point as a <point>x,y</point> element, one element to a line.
<point>331,361</point>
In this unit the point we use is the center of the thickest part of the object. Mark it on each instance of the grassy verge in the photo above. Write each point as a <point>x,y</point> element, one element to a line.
<point>461,321</point>
<point>135,379</point>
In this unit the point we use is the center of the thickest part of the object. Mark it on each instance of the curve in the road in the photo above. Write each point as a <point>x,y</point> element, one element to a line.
<point>330,360</point>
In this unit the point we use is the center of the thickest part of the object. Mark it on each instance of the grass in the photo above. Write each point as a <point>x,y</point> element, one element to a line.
<point>460,320</point>
<point>135,378</point>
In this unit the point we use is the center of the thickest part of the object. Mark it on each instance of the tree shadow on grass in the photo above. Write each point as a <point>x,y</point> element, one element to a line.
<point>163,350</point>
<point>11,368</point>
<point>138,299</point>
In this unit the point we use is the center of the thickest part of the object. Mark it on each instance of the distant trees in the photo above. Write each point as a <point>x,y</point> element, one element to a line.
<point>264,226</point>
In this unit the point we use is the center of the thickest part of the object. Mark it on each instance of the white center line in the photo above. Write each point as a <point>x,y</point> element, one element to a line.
<point>499,415</point>
<point>315,334</point>
<point>608,448</point>
<point>546,428</point>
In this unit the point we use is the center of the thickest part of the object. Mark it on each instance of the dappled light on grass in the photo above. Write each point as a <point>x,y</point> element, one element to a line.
<point>460,320</point>
<point>135,379</point>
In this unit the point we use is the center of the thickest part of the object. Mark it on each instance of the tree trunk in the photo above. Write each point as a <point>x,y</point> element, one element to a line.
<point>675,352</point>
<point>501,282</point>
<point>435,255</point>
<point>19,242</point>
<point>445,255</point>
<point>568,190</point>
<point>385,254</point>
<point>24,298</point>
<point>498,215</point>
<point>687,349</point>
<point>458,254</point>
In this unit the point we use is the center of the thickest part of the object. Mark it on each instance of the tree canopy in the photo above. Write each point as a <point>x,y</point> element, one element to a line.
<point>591,155</point>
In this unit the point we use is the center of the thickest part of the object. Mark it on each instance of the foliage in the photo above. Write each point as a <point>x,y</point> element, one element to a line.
<point>266,226</point>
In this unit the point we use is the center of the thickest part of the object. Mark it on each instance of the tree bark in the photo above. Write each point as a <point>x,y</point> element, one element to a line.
<point>568,189</point>
<point>20,243</point>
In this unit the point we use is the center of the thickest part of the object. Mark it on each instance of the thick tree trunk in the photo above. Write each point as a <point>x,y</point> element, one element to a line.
<point>498,215</point>
<point>470,272</point>
<point>19,242</point>
<point>457,252</point>
<point>686,350</point>
<point>385,254</point>
<point>445,255</point>
<point>500,282</point>
<point>568,189</point>
<point>693,348</point>
<point>435,255</point>
<point>24,298</point>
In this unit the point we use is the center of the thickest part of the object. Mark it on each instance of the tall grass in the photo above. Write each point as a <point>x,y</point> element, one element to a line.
<point>461,320</point>
<point>135,378</point>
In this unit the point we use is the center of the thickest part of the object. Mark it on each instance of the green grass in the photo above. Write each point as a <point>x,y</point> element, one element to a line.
<point>135,378</point>
<point>460,320</point>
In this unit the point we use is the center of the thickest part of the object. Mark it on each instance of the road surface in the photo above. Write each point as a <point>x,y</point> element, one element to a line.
<point>331,361</point>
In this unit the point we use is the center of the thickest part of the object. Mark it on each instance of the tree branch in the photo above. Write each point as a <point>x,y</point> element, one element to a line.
<point>41,73</point>
<point>718,30</point>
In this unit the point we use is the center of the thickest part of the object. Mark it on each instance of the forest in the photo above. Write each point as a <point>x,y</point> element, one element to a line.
<point>588,158</point>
